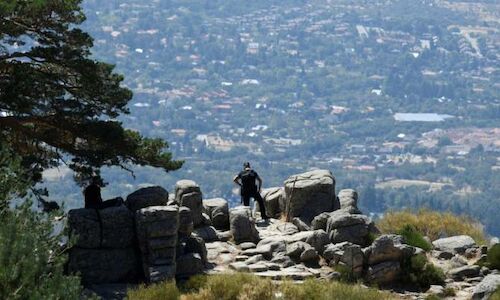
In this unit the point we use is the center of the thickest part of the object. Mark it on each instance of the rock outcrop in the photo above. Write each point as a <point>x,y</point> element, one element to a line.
<point>149,196</point>
<point>217,210</point>
<point>188,193</point>
<point>242,225</point>
<point>454,244</point>
<point>309,194</point>
<point>104,245</point>
<point>157,229</point>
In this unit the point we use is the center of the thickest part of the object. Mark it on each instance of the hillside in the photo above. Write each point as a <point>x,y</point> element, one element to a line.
<point>388,95</point>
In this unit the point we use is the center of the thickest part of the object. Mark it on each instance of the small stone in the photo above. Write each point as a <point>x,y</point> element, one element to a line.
<point>309,255</point>
<point>464,272</point>
<point>239,266</point>
<point>254,259</point>
<point>258,267</point>
<point>241,258</point>
<point>273,266</point>
<point>247,245</point>
<point>436,290</point>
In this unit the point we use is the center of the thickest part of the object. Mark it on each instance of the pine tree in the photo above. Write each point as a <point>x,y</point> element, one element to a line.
<point>56,102</point>
<point>32,259</point>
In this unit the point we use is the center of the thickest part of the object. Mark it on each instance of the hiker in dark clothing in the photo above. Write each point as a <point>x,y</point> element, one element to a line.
<point>93,199</point>
<point>246,179</point>
<point>92,194</point>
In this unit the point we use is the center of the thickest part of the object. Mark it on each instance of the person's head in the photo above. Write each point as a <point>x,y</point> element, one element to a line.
<point>96,180</point>
<point>246,165</point>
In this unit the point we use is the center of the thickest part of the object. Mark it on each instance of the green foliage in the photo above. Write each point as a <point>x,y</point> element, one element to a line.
<point>496,295</point>
<point>250,287</point>
<point>164,290</point>
<point>414,238</point>
<point>57,102</point>
<point>31,259</point>
<point>13,180</point>
<point>346,274</point>
<point>493,257</point>
<point>417,270</point>
<point>432,224</point>
<point>449,292</point>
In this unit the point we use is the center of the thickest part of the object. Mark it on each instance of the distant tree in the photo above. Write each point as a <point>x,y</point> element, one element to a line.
<point>57,104</point>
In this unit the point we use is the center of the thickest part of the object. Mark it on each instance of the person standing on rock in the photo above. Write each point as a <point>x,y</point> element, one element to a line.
<point>93,199</point>
<point>247,180</point>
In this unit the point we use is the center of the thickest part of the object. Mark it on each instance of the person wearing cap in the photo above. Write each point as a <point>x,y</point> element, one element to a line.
<point>250,184</point>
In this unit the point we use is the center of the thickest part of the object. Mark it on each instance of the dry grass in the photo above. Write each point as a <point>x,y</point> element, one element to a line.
<point>432,224</point>
<point>240,286</point>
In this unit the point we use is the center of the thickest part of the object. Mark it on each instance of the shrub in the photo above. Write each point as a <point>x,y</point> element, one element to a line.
<point>243,286</point>
<point>495,295</point>
<point>31,259</point>
<point>320,290</point>
<point>432,224</point>
<point>414,238</point>
<point>419,271</point>
<point>165,290</point>
<point>493,257</point>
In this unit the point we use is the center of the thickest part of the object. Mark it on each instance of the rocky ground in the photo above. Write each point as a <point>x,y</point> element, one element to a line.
<point>183,235</point>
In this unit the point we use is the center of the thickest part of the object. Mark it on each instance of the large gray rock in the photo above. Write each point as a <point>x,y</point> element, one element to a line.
<point>157,221</point>
<point>320,221</point>
<point>186,225</point>
<point>463,272</point>
<point>218,211</point>
<point>294,250</point>
<point>189,264</point>
<point>274,200</point>
<point>352,257</point>
<point>388,247</point>
<point>455,244</point>
<point>486,287</point>
<point>149,196</point>
<point>111,227</point>
<point>354,228</point>
<point>309,194</point>
<point>301,225</point>
<point>318,239</point>
<point>384,272</point>
<point>333,252</point>
<point>188,193</point>
<point>207,233</point>
<point>157,229</point>
<point>103,265</point>
<point>192,244</point>
<point>348,200</point>
<point>243,225</point>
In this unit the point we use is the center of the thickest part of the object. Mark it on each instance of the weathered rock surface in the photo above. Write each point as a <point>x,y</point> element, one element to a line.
<point>188,193</point>
<point>348,201</point>
<point>274,200</point>
<point>388,247</point>
<point>309,194</point>
<point>384,272</point>
<point>217,210</point>
<point>111,227</point>
<point>149,196</point>
<point>342,227</point>
<point>463,272</point>
<point>153,224</point>
<point>103,265</point>
<point>486,287</point>
<point>301,225</point>
<point>243,225</point>
<point>455,244</point>
<point>189,264</point>
<point>186,225</point>
<point>207,233</point>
